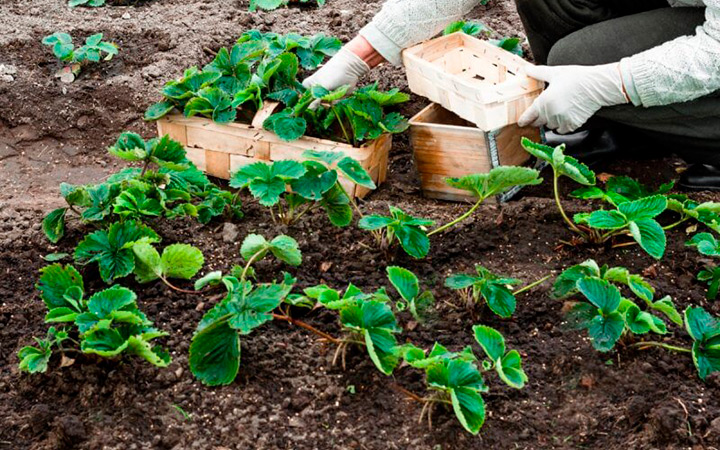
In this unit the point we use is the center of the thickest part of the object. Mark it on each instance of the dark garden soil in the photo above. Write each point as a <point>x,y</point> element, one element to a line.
<point>288,395</point>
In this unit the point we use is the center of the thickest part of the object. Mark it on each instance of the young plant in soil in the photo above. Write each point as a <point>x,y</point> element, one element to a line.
<point>456,378</point>
<point>108,324</point>
<point>708,245</point>
<point>270,5</point>
<point>704,330</point>
<point>411,232</point>
<point>235,84</point>
<point>77,57</point>
<point>166,185</point>
<point>634,218</point>
<point>493,289</point>
<point>407,285</point>
<point>293,189</point>
<point>606,313</point>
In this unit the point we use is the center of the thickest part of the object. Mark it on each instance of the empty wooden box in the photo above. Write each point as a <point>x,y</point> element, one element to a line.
<point>220,150</point>
<point>478,81</point>
<point>445,145</point>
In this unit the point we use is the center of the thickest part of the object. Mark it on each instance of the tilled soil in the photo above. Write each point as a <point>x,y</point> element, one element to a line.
<point>288,395</point>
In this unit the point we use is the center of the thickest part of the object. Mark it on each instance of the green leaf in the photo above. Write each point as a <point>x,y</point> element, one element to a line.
<point>706,244</point>
<point>650,235</point>
<point>561,163</point>
<point>33,359</point>
<point>406,283</point>
<point>215,354</point>
<point>667,307</point>
<point>158,110</point>
<point>210,279</point>
<point>639,322</point>
<point>147,263</point>
<point>460,281</point>
<point>700,325</point>
<point>286,126</point>
<point>376,321</point>
<point>181,261</point>
<point>498,181</point>
<point>499,298</point>
<point>604,331</point>
<point>156,355</point>
<point>510,370</point>
<point>607,220</point>
<point>464,383</point>
<point>706,360</point>
<point>55,281</point>
<point>491,341</point>
<point>566,283</point>
<point>105,342</point>
<point>374,222</point>
<point>316,181</point>
<point>646,208</point>
<point>355,172</point>
<point>113,299</point>
<point>54,225</point>
<point>112,249</point>
<point>600,293</point>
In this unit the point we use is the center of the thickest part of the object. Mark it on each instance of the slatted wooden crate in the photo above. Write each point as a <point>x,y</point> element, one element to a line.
<point>445,145</point>
<point>219,150</point>
<point>478,81</point>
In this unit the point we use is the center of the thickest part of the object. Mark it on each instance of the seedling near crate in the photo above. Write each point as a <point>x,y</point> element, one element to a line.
<point>275,4</point>
<point>94,50</point>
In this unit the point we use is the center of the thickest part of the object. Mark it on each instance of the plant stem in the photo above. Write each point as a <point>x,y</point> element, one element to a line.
<point>310,207</point>
<point>145,167</point>
<point>308,327</point>
<point>175,288</point>
<point>532,285</point>
<point>342,126</point>
<point>458,220</point>
<point>673,225</point>
<point>352,200</point>
<point>410,394</point>
<point>556,189</point>
<point>672,348</point>
<point>249,263</point>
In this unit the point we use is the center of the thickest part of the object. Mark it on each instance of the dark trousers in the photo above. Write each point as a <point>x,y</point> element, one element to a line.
<point>591,32</point>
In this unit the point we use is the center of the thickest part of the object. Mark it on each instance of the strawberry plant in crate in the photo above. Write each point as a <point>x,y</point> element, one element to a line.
<point>411,232</point>
<point>275,4</point>
<point>474,28</point>
<point>108,323</point>
<point>456,379</point>
<point>93,50</point>
<point>293,189</point>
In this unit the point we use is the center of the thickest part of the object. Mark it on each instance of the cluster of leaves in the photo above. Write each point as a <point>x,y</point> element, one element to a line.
<point>107,324</point>
<point>93,50</point>
<point>168,185</point>
<point>341,115</point>
<point>291,189</point>
<point>270,5</point>
<point>475,28</point>
<point>607,314</point>
<point>704,329</point>
<point>708,245</point>
<point>634,208</point>
<point>493,289</point>
<point>259,66</point>
<point>411,232</point>
<point>456,378</point>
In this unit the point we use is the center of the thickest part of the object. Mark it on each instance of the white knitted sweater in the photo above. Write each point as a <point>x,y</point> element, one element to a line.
<point>680,70</point>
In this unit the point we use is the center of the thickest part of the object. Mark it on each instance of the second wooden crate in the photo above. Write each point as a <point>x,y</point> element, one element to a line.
<point>446,146</point>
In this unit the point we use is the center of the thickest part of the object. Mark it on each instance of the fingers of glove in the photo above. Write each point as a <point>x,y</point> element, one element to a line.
<point>530,116</point>
<point>542,73</point>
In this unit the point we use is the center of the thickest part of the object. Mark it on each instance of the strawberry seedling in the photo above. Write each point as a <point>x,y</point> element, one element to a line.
<point>474,28</point>
<point>410,232</point>
<point>76,57</point>
<point>708,245</point>
<point>107,324</point>
<point>408,286</point>
<point>495,290</point>
<point>270,5</point>
<point>456,378</point>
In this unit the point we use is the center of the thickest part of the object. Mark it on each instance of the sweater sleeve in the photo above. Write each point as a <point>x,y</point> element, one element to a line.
<point>403,23</point>
<point>679,70</point>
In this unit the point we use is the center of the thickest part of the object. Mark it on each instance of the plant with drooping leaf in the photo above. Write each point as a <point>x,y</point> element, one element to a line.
<point>407,285</point>
<point>606,313</point>
<point>166,185</point>
<point>708,245</point>
<point>94,50</point>
<point>108,323</point>
<point>495,290</point>
<point>270,5</point>
<point>412,233</point>
<point>475,28</point>
<point>292,189</point>
<point>456,378</point>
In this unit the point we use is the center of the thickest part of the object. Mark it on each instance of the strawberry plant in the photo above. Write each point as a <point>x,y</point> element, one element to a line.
<point>167,184</point>
<point>293,189</point>
<point>474,28</point>
<point>93,50</point>
<point>495,290</point>
<point>411,232</point>
<point>456,378</point>
<point>608,315</point>
<point>275,4</point>
<point>107,324</point>
<point>708,245</point>
<point>92,3</point>
<point>408,286</point>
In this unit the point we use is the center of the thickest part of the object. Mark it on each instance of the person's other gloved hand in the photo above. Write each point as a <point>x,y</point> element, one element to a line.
<point>345,68</point>
<point>575,94</point>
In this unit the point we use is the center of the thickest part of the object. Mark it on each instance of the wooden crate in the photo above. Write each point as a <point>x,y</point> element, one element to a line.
<point>445,145</point>
<point>220,150</point>
<point>478,81</point>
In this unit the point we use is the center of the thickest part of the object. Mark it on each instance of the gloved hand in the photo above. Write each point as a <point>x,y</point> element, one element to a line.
<point>345,68</point>
<point>575,94</point>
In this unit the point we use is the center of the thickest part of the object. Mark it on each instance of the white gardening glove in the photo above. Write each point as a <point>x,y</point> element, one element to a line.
<point>575,94</point>
<point>343,69</point>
